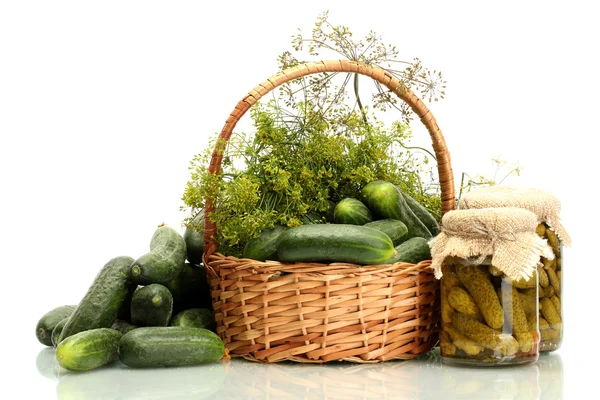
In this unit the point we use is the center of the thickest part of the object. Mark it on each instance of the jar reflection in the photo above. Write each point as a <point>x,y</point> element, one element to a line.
<point>424,377</point>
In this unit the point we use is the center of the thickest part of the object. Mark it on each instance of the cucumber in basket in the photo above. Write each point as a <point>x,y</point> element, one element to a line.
<point>413,251</point>
<point>421,212</point>
<point>385,200</point>
<point>351,211</point>
<point>394,228</point>
<point>264,247</point>
<point>334,242</point>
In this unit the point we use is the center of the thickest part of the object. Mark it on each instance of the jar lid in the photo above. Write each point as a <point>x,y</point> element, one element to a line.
<point>543,204</point>
<point>506,234</point>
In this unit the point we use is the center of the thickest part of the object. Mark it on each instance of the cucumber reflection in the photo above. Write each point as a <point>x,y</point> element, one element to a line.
<point>46,363</point>
<point>425,377</point>
<point>120,382</point>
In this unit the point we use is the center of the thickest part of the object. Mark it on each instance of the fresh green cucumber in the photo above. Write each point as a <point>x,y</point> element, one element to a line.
<point>57,331</point>
<point>46,324</point>
<point>100,305</point>
<point>190,288</point>
<point>413,251</point>
<point>423,214</point>
<point>351,211</point>
<point>264,247</point>
<point>334,242</point>
<point>195,318</point>
<point>165,259</point>
<point>123,326</point>
<point>385,200</point>
<point>125,310</point>
<point>194,238</point>
<point>88,350</point>
<point>170,346</point>
<point>394,228</point>
<point>151,305</point>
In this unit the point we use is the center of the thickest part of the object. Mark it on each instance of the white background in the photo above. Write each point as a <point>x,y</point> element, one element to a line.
<point>103,105</point>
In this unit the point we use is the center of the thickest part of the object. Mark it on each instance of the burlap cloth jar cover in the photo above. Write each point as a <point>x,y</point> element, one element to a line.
<point>508,235</point>
<point>482,256</point>
<point>546,206</point>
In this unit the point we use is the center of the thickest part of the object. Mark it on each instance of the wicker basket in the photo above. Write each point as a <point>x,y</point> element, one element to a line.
<point>325,312</point>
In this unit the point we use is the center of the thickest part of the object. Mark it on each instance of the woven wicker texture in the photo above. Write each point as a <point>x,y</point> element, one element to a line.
<point>310,312</point>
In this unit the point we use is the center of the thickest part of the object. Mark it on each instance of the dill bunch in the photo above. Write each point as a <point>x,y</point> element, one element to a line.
<point>294,166</point>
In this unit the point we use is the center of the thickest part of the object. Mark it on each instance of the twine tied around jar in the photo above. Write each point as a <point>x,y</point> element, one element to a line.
<point>545,205</point>
<point>483,228</point>
<point>506,234</point>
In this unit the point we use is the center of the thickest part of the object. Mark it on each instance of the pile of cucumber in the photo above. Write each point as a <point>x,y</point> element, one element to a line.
<point>384,226</point>
<point>157,310</point>
<point>150,312</point>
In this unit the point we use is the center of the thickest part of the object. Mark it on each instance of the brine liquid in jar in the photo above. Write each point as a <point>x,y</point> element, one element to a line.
<point>487,319</point>
<point>550,293</point>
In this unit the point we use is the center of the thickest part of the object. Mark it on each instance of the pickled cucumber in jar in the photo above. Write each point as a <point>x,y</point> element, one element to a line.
<point>492,295</point>
<point>550,293</point>
<point>487,317</point>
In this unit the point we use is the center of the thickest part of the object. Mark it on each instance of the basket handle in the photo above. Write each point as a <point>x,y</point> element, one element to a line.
<point>380,75</point>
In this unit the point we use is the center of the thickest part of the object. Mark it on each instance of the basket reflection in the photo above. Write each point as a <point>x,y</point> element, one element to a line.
<point>422,378</point>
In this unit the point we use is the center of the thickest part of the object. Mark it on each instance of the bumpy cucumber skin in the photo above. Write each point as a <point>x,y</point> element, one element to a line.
<point>394,228</point>
<point>334,242</point>
<point>463,302</point>
<point>190,288</point>
<point>170,346</point>
<point>485,336</point>
<point>264,247</point>
<point>165,259</point>
<point>413,251</point>
<point>46,324</point>
<point>351,211</point>
<point>57,330</point>
<point>100,305</point>
<point>195,318</point>
<point>151,305</point>
<point>482,290</point>
<point>194,239</point>
<point>88,350</point>
<point>422,214</point>
<point>385,200</point>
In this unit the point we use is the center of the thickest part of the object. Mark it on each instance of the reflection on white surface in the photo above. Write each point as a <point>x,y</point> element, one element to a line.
<point>120,382</point>
<point>422,378</point>
<point>46,363</point>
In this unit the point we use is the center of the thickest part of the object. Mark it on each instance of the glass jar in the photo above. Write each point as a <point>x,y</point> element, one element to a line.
<point>487,319</point>
<point>550,293</point>
<point>546,206</point>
